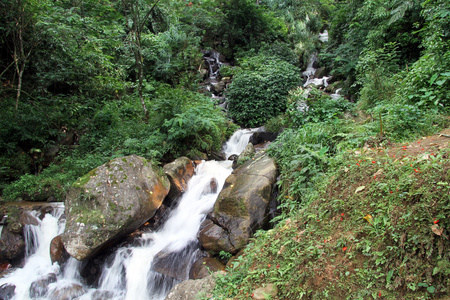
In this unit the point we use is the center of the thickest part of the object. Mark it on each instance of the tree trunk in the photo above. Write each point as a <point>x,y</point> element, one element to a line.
<point>140,67</point>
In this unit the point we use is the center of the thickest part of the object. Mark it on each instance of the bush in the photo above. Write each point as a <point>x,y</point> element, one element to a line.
<point>199,129</point>
<point>401,121</point>
<point>258,92</point>
<point>314,106</point>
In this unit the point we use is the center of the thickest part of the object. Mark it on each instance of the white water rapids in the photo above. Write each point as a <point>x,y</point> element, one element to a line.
<point>129,274</point>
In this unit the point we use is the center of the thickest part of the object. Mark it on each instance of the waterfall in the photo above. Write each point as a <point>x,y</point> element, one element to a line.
<point>336,95</point>
<point>2,222</point>
<point>38,263</point>
<point>157,261</point>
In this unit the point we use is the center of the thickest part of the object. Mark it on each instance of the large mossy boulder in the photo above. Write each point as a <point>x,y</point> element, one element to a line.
<point>110,202</point>
<point>242,206</point>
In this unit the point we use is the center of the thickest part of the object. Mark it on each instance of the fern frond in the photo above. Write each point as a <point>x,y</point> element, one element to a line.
<point>399,12</point>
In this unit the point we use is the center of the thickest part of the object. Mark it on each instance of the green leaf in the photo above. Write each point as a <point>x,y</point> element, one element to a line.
<point>433,78</point>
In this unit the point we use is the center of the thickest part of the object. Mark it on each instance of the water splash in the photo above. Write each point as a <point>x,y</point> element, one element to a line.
<point>134,272</point>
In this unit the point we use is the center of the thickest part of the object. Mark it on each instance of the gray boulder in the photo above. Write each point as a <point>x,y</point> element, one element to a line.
<point>242,206</point>
<point>67,292</point>
<point>12,246</point>
<point>110,202</point>
<point>179,173</point>
<point>205,266</point>
<point>39,287</point>
<point>7,291</point>
<point>193,289</point>
<point>245,155</point>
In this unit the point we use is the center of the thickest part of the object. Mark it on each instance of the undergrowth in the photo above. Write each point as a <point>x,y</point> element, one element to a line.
<point>375,228</point>
<point>358,218</point>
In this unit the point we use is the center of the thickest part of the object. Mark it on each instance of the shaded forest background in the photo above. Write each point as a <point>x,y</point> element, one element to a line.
<point>83,82</point>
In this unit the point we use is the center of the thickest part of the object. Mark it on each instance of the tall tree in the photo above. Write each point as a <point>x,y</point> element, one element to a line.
<point>22,31</point>
<point>137,14</point>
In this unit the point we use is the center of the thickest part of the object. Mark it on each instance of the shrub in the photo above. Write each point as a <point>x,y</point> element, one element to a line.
<point>314,106</point>
<point>401,121</point>
<point>202,128</point>
<point>258,92</point>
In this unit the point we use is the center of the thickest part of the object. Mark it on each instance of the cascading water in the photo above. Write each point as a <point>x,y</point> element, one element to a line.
<point>2,222</point>
<point>38,263</point>
<point>134,272</point>
<point>336,94</point>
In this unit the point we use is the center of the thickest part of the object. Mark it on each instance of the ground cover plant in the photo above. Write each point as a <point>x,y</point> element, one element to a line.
<point>375,226</point>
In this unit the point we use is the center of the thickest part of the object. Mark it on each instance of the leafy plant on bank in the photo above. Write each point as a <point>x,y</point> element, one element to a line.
<point>258,92</point>
<point>311,105</point>
<point>375,226</point>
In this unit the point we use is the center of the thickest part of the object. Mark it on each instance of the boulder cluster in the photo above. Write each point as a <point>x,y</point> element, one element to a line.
<point>114,201</point>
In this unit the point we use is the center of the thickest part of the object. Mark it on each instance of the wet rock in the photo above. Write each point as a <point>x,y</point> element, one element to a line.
<point>39,287</point>
<point>214,238</point>
<point>233,157</point>
<point>205,266</point>
<point>26,218</point>
<point>204,73</point>
<point>216,155</point>
<point>179,173</point>
<point>219,87</point>
<point>242,206</point>
<point>315,64</point>
<point>265,292</point>
<point>260,137</point>
<point>193,289</point>
<point>176,264</point>
<point>212,187</point>
<point>45,210</point>
<point>4,267</point>
<point>110,202</point>
<point>158,219</point>
<point>57,251</point>
<point>245,155</point>
<point>68,292</point>
<point>102,295</point>
<point>320,72</point>
<point>12,246</point>
<point>7,291</point>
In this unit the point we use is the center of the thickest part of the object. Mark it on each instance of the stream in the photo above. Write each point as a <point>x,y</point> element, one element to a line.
<point>129,274</point>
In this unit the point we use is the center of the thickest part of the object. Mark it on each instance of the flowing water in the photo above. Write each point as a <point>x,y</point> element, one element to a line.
<point>146,271</point>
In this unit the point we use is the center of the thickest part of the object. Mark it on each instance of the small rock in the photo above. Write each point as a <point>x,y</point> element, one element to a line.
<point>7,291</point>
<point>204,266</point>
<point>67,292</point>
<point>40,287</point>
<point>57,251</point>
<point>102,295</point>
<point>265,292</point>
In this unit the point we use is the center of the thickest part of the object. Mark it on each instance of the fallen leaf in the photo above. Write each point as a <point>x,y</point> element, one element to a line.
<point>368,218</point>
<point>359,189</point>
<point>438,231</point>
<point>378,172</point>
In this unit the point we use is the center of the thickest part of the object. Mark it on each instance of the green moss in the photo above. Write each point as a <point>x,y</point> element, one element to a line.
<point>85,179</point>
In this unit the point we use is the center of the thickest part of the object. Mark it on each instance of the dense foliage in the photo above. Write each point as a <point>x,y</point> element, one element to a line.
<point>83,82</point>
<point>259,91</point>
